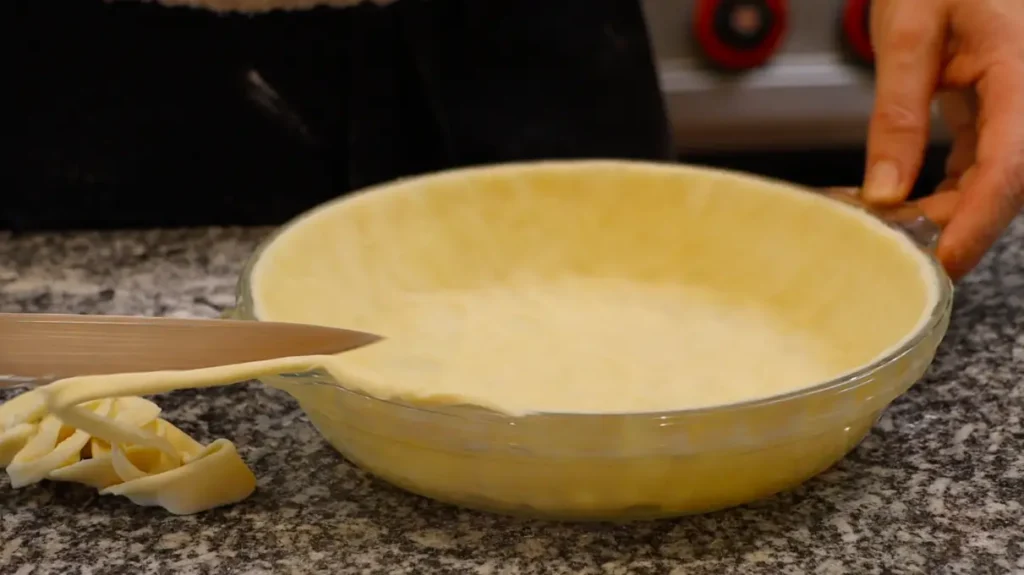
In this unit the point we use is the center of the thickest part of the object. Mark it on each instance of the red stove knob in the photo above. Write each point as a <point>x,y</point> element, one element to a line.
<point>740,34</point>
<point>857,29</point>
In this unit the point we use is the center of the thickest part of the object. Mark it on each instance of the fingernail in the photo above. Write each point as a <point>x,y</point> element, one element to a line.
<point>883,183</point>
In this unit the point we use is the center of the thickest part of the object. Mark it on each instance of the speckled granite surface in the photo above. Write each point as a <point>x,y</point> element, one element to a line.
<point>938,487</point>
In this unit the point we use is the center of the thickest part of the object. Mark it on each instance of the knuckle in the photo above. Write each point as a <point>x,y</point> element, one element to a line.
<point>900,118</point>
<point>1016,183</point>
<point>960,111</point>
<point>1004,64</point>
<point>1008,185</point>
<point>904,36</point>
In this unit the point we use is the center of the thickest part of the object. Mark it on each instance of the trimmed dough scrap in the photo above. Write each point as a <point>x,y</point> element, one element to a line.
<point>181,475</point>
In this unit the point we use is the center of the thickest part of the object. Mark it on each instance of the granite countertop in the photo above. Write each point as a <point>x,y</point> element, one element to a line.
<point>938,486</point>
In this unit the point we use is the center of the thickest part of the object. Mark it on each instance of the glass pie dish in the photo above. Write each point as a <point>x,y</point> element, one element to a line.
<point>610,466</point>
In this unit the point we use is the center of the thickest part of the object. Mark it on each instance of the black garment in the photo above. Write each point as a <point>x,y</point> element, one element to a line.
<point>136,114</point>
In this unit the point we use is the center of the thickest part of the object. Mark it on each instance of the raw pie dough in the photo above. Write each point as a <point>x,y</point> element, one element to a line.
<point>123,448</point>
<point>600,287</point>
<point>596,287</point>
<point>708,292</point>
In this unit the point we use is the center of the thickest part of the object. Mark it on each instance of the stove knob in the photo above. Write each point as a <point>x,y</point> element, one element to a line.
<point>740,34</point>
<point>857,30</point>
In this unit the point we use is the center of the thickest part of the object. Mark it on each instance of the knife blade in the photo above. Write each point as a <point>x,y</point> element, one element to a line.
<point>44,347</point>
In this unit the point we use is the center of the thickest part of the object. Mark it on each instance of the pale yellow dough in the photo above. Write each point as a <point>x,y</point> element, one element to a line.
<point>38,442</point>
<point>586,345</point>
<point>601,287</point>
<point>588,287</point>
<point>597,287</point>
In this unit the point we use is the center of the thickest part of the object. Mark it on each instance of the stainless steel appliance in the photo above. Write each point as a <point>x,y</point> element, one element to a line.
<point>765,74</point>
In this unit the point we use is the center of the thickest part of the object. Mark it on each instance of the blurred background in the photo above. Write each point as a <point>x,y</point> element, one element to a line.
<point>131,114</point>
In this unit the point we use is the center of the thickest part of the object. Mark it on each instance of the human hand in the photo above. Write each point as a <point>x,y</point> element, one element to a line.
<point>970,53</point>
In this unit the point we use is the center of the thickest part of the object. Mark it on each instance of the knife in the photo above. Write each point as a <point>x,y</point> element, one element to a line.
<point>38,348</point>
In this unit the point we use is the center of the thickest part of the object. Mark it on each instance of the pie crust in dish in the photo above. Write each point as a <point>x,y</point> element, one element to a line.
<point>597,287</point>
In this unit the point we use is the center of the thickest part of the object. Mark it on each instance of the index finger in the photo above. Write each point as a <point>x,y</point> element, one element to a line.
<point>909,39</point>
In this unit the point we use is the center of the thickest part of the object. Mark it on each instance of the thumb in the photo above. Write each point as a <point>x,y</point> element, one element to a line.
<point>909,38</point>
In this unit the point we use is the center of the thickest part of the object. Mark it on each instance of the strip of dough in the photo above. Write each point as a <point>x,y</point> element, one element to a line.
<point>216,476</point>
<point>47,450</point>
<point>168,468</point>
<point>14,439</point>
<point>64,398</point>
